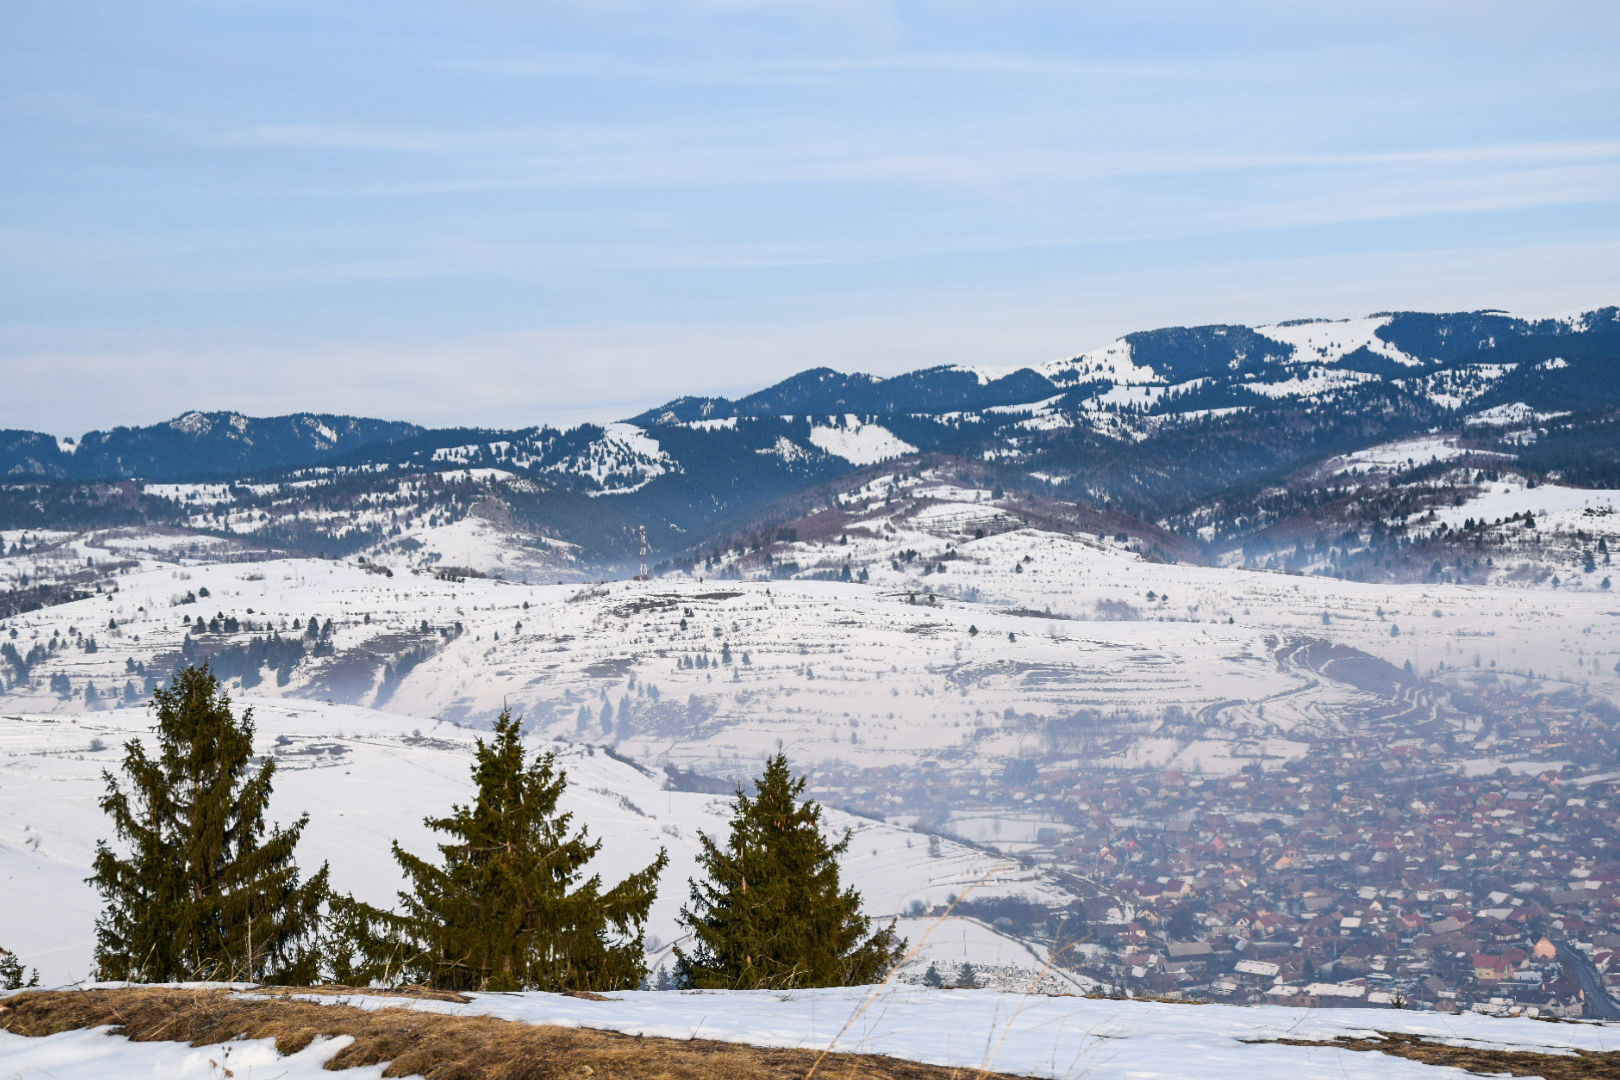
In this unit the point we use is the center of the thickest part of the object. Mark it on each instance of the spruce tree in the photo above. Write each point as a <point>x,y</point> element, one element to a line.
<point>507,909</point>
<point>11,973</point>
<point>205,892</point>
<point>772,913</point>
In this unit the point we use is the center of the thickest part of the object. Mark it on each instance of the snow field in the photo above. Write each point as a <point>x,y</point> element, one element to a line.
<point>887,673</point>
<point>1051,1037</point>
<point>1054,1037</point>
<point>1330,341</point>
<point>97,1054</point>
<point>858,442</point>
<point>1556,508</point>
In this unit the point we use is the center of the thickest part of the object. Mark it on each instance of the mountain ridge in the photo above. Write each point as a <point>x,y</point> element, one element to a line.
<point>1211,432</point>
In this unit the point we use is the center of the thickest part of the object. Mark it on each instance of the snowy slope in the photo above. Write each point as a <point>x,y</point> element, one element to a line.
<point>368,777</point>
<point>1330,341</point>
<point>922,663</point>
<point>858,442</point>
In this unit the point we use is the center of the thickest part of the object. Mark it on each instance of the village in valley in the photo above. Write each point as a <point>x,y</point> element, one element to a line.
<point>1359,874</point>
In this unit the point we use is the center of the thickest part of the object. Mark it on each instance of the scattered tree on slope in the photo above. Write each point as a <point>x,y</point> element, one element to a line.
<point>11,972</point>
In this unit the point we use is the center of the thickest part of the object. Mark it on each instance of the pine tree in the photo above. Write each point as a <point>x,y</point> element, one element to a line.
<point>203,892</point>
<point>507,909</point>
<point>11,973</point>
<point>772,913</point>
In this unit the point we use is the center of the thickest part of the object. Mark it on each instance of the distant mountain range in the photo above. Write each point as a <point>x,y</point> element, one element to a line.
<point>197,445</point>
<point>1186,427</point>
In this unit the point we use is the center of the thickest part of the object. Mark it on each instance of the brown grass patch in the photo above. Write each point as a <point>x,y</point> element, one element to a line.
<point>420,993</point>
<point>433,1045</point>
<point>1584,1065</point>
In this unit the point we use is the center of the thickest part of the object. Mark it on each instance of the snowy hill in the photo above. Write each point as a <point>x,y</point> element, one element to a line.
<point>972,642</point>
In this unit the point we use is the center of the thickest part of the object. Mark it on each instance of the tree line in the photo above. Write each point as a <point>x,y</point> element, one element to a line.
<point>202,887</point>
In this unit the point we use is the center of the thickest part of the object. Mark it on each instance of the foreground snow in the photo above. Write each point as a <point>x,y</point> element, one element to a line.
<point>1056,1037</point>
<point>1051,1037</point>
<point>97,1054</point>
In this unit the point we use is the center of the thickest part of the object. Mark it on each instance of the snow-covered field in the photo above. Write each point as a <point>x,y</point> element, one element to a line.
<point>979,1030</point>
<point>368,777</point>
<point>1555,506</point>
<point>958,649</point>
<point>1056,1037</point>
<point>974,641</point>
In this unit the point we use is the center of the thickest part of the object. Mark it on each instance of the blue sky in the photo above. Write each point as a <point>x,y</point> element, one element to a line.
<point>504,213</point>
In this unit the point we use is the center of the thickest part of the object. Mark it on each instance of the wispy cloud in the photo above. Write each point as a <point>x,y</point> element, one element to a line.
<point>518,190</point>
<point>1259,189</point>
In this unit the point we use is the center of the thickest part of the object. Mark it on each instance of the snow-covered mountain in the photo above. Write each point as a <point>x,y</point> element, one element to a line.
<point>1224,437</point>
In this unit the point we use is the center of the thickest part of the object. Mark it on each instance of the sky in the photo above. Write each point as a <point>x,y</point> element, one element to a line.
<point>502,213</point>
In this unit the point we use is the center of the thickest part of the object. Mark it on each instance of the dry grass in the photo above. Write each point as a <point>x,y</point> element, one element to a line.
<point>433,1045</point>
<point>420,993</point>
<point>1584,1065</point>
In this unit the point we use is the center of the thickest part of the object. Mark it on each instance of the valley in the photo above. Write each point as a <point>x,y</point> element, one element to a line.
<point>1245,665</point>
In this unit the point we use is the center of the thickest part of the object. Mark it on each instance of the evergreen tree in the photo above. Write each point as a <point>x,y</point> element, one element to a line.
<point>11,973</point>
<point>507,909</point>
<point>772,913</point>
<point>204,892</point>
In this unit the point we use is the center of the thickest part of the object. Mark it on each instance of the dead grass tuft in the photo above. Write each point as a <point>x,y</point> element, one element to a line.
<point>1584,1065</point>
<point>433,1045</point>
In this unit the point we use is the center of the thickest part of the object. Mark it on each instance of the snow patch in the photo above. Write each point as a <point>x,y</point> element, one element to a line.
<point>1112,362</point>
<point>1509,415</point>
<point>860,443</point>
<point>97,1053</point>
<point>985,374</point>
<point>1398,455</point>
<point>1505,500</point>
<point>1314,381</point>
<point>1328,342</point>
<point>1033,406</point>
<point>786,449</point>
